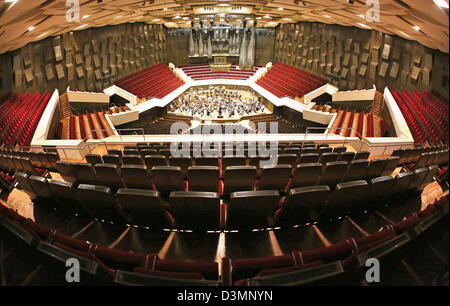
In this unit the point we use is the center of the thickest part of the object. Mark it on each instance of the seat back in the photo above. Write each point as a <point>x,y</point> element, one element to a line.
<point>303,205</point>
<point>306,175</point>
<point>239,178</point>
<point>203,178</point>
<point>85,173</point>
<point>143,207</point>
<point>108,175</point>
<point>357,170</point>
<point>275,177</point>
<point>136,177</point>
<point>251,209</point>
<point>167,179</point>
<point>333,173</point>
<point>195,210</point>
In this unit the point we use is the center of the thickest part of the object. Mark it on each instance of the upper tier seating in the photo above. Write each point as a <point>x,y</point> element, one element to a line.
<point>19,117</point>
<point>426,114</point>
<point>286,81</point>
<point>203,72</point>
<point>153,82</point>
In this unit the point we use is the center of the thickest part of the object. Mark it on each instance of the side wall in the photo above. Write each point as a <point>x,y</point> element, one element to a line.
<point>362,57</point>
<point>87,60</point>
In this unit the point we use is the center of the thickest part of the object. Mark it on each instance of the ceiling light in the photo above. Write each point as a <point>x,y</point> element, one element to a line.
<point>364,26</point>
<point>441,3</point>
<point>416,28</point>
<point>30,29</point>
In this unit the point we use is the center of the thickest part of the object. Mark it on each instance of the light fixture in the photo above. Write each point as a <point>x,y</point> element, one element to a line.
<point>441,3</point>
<point>363,25</point>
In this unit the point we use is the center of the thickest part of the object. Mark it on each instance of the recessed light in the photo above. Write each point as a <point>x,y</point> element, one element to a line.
<point>441,3</point>
<point>364,26</point>
<point>416,28</point>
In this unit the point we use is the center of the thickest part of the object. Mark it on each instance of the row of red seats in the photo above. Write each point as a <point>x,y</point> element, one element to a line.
<point>233,272</point>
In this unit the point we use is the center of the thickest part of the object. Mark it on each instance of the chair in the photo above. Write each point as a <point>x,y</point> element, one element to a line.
<point>203,178</point>
<point>131,160</point>
<point>357,170</point>
<point>306,175</point>
<point>333,173</point>
<point>251,209</point>
<point>376,168</point>
<point>108,175</point>
<point>85,173</point>
<point>168,179</point>
<point>308,158</point>
<point>65,169</point>
<point>143,207</point>
<point>93,159</point>
<point>239,178</point>
<point>274,177</point>
<point>302,205</point>
<point>99,202</point>
<point>136,177</point>
<point>195,210</point>
<point>346,197</point>
<point>112,159</point>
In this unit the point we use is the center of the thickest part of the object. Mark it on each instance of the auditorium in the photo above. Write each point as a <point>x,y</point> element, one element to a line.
<point>226,143</point>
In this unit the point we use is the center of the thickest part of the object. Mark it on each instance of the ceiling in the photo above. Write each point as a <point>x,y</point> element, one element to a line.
<point>24,21</point>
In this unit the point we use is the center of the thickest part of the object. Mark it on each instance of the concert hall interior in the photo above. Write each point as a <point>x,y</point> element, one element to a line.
<point>224,142</point>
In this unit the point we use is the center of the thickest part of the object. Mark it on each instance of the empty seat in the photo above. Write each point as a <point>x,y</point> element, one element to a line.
<point>207,161</point>
<point>403,181</point>
<point>347,156</point>
<point>136,177</point>
<point>287,159</point>
<point>93,159</point>
<point>203,178</point>
<point>183,162</point>
<point>154,161</point>
<point>419,177</point>
<point>67,197</point>
<point>333,173</point>
<point>65,169</point>
<point>308,158</point>
<point>131,160</point>
<point>195,210</point>
<point>40,186</point>
<point>391,165</point>
<point>99,202</point>
<point>306,175</point>
<point>239,178</point>
<point>302,205</point>
<point>115,152</point>
<point>340,149</point>
<point>112,159</point>
<point>328,157</point>
<point>85,173</point>
<point>24,184</point>
<point>381,188</point>
<point>376,168</point>
<point>108,175</point>
<point>233,161</point>
<point>347,197</point>
<point>362,155</point>
<point>167,179</point>
<point>357,170</point>
<point>275,177</point>
<point>143,207</point>
<point>251,209</point>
